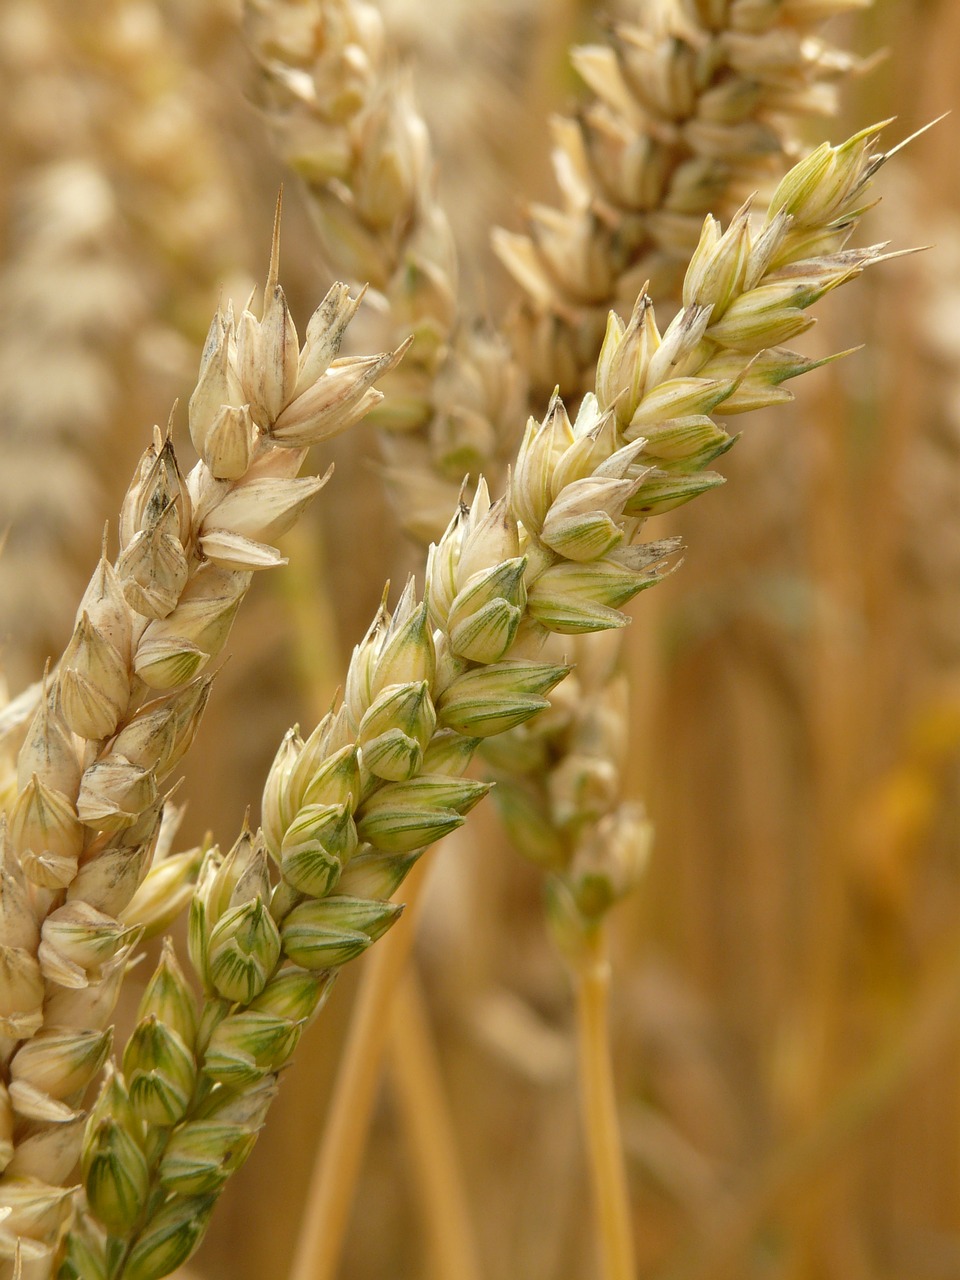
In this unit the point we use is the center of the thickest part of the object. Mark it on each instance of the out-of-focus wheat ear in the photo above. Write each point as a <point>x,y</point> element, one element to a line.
<point>693,107</point>
<point>121,208</point>
<point>347,123</point>
<point>60,386</point>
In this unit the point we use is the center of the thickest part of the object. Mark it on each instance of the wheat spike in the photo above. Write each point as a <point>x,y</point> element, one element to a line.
<point>86,828</point>
<point>694,107</point>
<point>344,118</point>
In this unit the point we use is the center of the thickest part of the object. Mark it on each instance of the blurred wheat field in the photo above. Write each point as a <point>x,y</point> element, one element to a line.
<point>786,998</point>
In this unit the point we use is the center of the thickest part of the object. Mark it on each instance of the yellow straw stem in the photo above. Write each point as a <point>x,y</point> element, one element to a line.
<point>591,975</point>
<point>415,1071</point>
<point>340,1155</point>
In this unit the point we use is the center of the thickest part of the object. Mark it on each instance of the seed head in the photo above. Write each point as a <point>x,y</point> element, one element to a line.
<point>94,682</point>
<point>165,891</point>
<point>77,940</point>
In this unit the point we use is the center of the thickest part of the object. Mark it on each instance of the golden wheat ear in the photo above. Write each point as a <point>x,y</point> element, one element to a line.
<point>86,857</point>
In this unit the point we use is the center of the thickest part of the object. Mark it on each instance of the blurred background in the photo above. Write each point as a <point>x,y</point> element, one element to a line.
<point>787,982</point>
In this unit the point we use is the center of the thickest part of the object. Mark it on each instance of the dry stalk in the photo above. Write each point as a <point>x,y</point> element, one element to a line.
<point>598,1102</point>
<point>336,1168</point>
<point>419,1085</point>
<point>153,135</point>
<point>919,1035</point>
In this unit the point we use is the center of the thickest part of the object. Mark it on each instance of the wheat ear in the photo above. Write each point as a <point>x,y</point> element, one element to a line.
<point>746,289</point>
<point>66,275</point>
<point>344,117</point>
<point>695,107</point>
<point>122,709</point>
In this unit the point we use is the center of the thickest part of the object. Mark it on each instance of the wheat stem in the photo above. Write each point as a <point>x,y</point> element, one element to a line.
<point>337,1164</point>
<point>415,1071</point>
<point>590,970</point>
